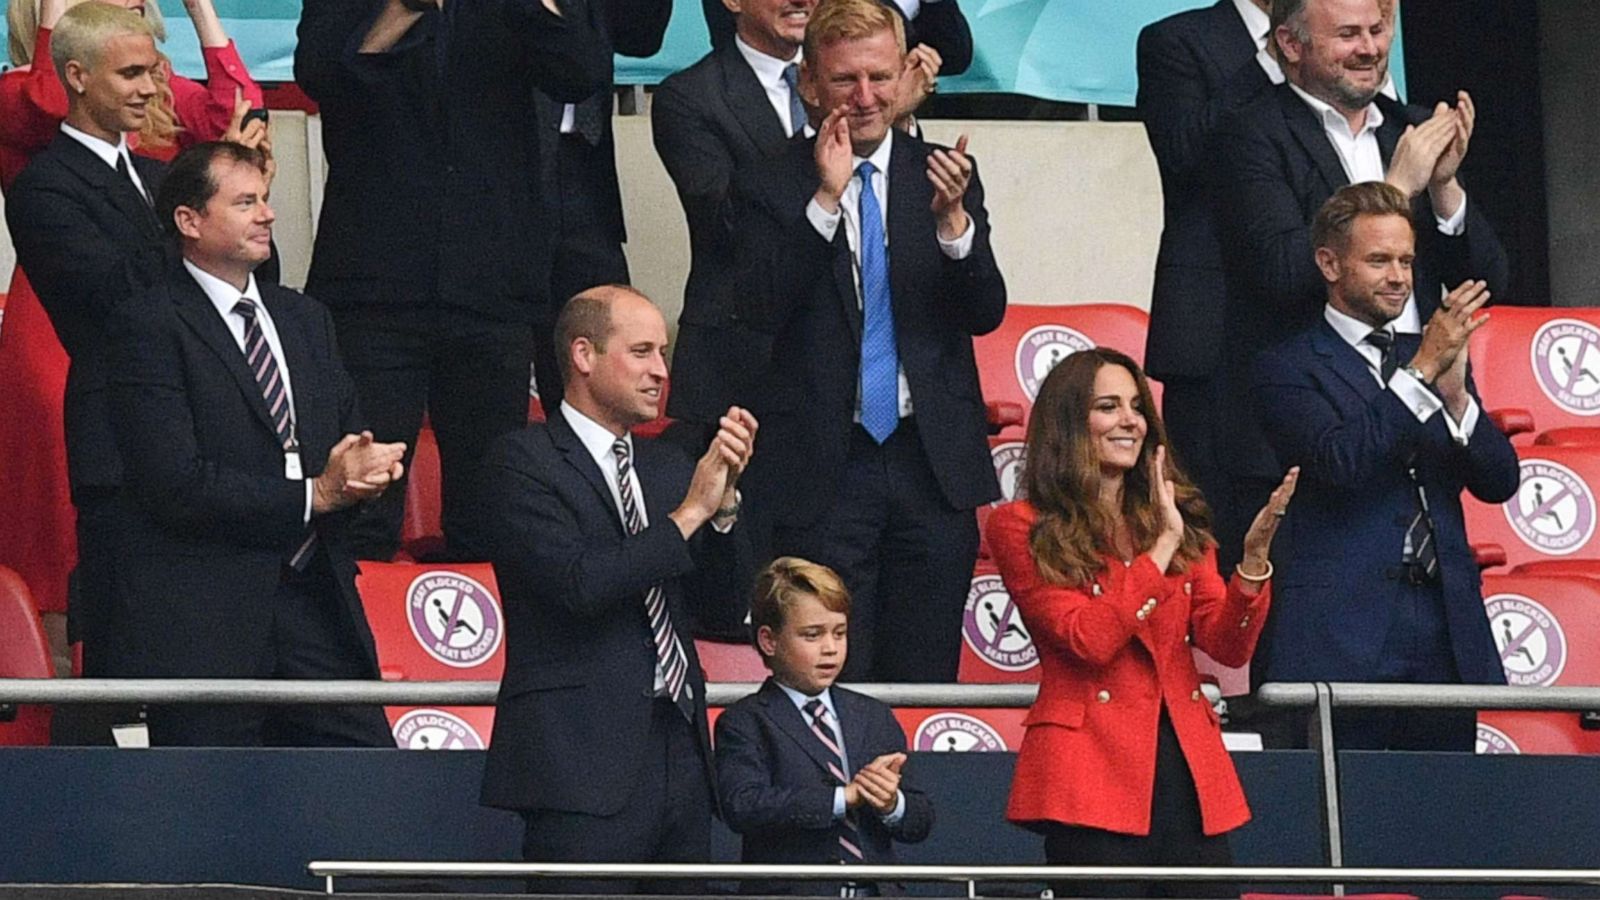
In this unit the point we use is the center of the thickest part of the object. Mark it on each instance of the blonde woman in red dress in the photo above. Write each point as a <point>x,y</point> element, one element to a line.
<point>36,532</point>
<point>1111,563</point>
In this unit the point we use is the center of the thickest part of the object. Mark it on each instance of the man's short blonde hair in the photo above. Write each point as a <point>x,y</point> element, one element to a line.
<point>840,20</point>
<point>84,30</point>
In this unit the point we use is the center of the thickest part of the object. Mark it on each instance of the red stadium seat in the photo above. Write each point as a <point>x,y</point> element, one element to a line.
<point>1547,628</point>
<point>436,623</point>
<point>723,661</point>
<point>996,647</point>
<point>1542,363</point>
<point>1014,358</point>
<point>422,530</point>
<point>1553,514</point>
<point>24,653</point>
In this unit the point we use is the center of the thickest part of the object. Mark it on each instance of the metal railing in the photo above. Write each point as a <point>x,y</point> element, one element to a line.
<point>331,870</point>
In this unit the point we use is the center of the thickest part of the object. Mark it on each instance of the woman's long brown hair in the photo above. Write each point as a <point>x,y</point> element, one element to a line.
<point>1061,477</point>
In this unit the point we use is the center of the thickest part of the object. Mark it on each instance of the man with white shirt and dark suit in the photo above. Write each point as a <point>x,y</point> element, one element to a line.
<point>610,550</point>
<point>738,106</point>
<point>877,448</point>
<point>1378,583</point>
<point>1194,68</point>
<point>241,447</point>
<point>1285,154</point>
<point>80,216</point>
<point>940,25</point>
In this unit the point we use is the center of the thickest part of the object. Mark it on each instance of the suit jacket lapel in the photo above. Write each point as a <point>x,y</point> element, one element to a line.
<point>195,308</point>
<point>792,722</point>
<point>1234,41</point>
<point>652,480</point>
<point>908,217</point>
<point>577,455</point>
<point>854,724</point>
<point>1344,360</point>
<point>748,100</point>
<point>1308,131</point>
<point>117,189</point>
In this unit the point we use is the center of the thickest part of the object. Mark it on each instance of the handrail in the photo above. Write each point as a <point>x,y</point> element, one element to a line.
<point>432,693</point>
<point>329,870</point>
<point>1431,696</point>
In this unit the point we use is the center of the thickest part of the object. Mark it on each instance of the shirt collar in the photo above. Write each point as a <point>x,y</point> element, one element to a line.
<point>101,148</point>
<point>879,157</point>
<point>768,69</point>
<point>1352,330</point>
<point>801,699</point>
<point>1255,21</point>
<point>1332,118</point>
<point>596,438</point>
<point>223,295</point>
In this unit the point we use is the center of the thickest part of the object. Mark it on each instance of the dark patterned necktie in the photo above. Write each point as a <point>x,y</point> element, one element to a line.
<point>672,662</point>
<point>849,837</point>
<point>1421,551</point>
<point>264,366</point>
<point>1387,364</point>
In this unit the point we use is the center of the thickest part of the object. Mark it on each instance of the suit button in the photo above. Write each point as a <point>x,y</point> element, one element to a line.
<point>1142,614</point>
<point>1244,622</point>
<point>1195,696</point>
<point>1103,696</point>
<point>1187,639</point>
<point>1188,587</point>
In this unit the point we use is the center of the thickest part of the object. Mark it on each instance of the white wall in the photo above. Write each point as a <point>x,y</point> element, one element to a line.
<point>1075,206</point>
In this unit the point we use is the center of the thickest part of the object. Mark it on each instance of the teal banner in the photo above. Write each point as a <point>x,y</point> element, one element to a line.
<point>1071,50</point>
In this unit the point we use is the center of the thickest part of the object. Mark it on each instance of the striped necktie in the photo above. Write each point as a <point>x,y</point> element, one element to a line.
<point>264,366</point>
<point>672,662</point>
<point>849,837</point>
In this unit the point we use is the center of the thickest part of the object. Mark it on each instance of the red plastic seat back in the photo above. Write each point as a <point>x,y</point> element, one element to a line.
<point>1544,361</point>
<point>1014,358</point>
<point>1553,514</point>
<point>1547,629</point>
<point>24,653</point>
<point>422,528</point>
<point>996,647</point>
<point>730,662</point>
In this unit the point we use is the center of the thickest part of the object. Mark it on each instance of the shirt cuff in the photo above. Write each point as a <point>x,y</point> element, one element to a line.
<point>1457,223</point>
<point>899,811</point>
<point>826,223</point>
<point>1422,402</point>
<point>306,519</point>
<point>838,803</point>
<point>1461,432</point>
<point>961,247</point>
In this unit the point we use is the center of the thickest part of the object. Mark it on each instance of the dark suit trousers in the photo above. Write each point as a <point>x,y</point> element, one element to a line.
<point>469,373</point>
<point>587,254</point>
<point>904,553</point>
<point>312,638</point>
<point>666,819</point>
<point>1176,837</point>
<point>1190,408</point>
<point>1417,650</point>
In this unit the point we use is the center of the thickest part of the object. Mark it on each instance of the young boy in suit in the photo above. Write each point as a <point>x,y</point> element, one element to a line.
<point>809,772</point>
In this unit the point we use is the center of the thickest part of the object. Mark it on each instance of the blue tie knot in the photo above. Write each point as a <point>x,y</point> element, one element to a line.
<point>791,75</point>
<point>865,170</point>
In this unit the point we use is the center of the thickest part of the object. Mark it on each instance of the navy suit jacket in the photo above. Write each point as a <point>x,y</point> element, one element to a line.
<point>574,705</point>
<point>709,121</point>
<point>772,775</point>
<point>803,293</point>
<point>1194,68</point>
<point>1279,168</point>
<point>88,243</point>
<point>1323,410</point>
<point>209,515</point>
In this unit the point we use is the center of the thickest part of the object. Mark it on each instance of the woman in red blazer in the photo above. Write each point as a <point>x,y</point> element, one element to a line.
<point>1111,563</point>
<point>36,535</point>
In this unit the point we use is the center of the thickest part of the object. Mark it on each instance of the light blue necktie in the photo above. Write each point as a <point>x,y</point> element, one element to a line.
<point>797,108</point>
<point>880,363</point>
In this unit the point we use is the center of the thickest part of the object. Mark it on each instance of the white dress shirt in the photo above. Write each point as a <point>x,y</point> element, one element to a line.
<point>800,700</point>
<point>1423,403</point>
<point>827,225</point>
<point>108,152</point>
<point>224,297</point>
<point>769,72</point>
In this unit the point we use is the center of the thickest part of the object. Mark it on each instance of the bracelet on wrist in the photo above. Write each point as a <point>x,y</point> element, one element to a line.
<point>1254,579</point>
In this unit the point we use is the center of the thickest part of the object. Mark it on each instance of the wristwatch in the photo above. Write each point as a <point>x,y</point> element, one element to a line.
<point>1416,373</point>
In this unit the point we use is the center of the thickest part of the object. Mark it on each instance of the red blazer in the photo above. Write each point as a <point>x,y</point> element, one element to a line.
<point>1111,654</point>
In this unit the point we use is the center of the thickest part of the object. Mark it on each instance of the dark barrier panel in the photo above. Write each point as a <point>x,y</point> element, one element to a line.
<point>258,816</point>
<point>1455,809</point>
